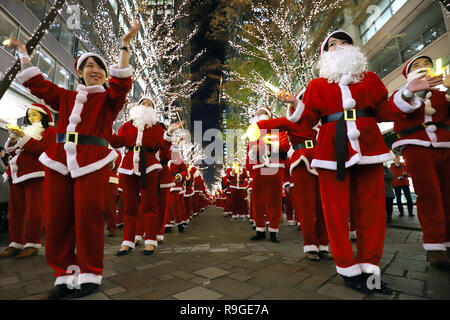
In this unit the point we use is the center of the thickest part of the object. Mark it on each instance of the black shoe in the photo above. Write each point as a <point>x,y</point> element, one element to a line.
<point>383,289</point>
<point>325,255</point>
<point>274,237</point>
<point>148,252</point>
<point>180,228</point>
<point>259,235</point>
<point>388,219</point>
<point>167,229</point>
<point>86,289</point>
<point>312,255</point>
<point>185,225</point>
<point>123,252</point>
<point>357,283</point>
<point>411,214</point>
<point>60,291</point>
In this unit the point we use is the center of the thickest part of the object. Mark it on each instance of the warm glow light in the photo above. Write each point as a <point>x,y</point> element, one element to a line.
<point>252,133</point>
<point>439,70</point>
<point>7,42</point>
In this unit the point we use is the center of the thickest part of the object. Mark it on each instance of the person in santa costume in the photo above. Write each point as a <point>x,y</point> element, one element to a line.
<point>142,137</point>
<point>77,166</point>
<point>26,178</point>
<point>226,188</point>
<point>189,193</point>
<point>266,156</point>
<point>302,136</point>
<point>175,203</point>
<point>401,183</point>
<point>198,191</point>
<point>238,185</point>
<point>287,194</point>
<point>350,151</point>
<point>111,198</point>
<point>424,141</point>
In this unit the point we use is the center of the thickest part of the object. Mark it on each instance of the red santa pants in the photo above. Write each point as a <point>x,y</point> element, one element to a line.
<point>26,207</point>
<point>430,172</point>
<point>176,207</point>
<point>149,206</point>
<point>188,207</point>
<point>75,220</point>
<point>307,195</point>
<point>196,203</point>
<point>162,205</point>
<point>362,193</point>
<point>111,206</point>
<point>268,198</point>
<point>238,204</point>
<point>228,203</point>
<point>289,208</point>
<point>121,208</point>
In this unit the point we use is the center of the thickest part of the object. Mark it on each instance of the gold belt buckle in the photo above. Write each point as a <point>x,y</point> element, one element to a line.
<point>425,124</point>
<point>74,134</point>
<point>309,144</point>
<point>350,115</point>
<point>136,149</point>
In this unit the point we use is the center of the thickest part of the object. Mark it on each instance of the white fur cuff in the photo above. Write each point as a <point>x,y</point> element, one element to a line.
<point>406,107</point>
<point>295,116</point>
<point>118,72</point>
<point>27,74</point>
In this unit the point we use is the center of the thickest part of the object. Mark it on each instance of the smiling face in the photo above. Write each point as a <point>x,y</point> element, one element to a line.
<point>147,103</point>
<point>92,73</point>
<point>421,63</point>
<point>34,116</point>
<point>334,43</point>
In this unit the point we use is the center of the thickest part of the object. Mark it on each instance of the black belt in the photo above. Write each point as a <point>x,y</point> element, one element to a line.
<point>341,133</point>
<point>81,139</point>
<point>421,127</point>
<point>308,144</point>
<point>142,151</point>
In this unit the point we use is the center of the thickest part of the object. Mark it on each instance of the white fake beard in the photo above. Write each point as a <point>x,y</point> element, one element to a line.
<point>345,60</point>
<point>34,130</point>
<point>143,116</point>
<point>255,119</point>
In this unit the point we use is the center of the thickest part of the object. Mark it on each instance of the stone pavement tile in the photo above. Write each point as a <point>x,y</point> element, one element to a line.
<point>211,272</point>
<point>378,296</point>
<point>198,293</point>
<point>173,286</point>
<point>234,288</point>
<point>284,268</point>
<point>115,290</point>
<point>219,250</point>
<point>408,264</point>
<point>12,294</point>
<point>340,292</point>
<point>183,275</point>
<point>314,281</point>
<point>409,297</point>
<point>394,271</point>
<point>155,295</point>
<point>435,277</point>
<point>145,266</point>
<point>416,256</point>
<point>47,277</point>
<point>39,296</point>
<point>94,296</point>
<point>223,256</point>
<point>255,258</point>
<point>405,285</point>
<point>165,277</point>
<point>39,288</point>
<point>162,262</point>
<point>132,294</point>
<point>108,273</point>
<point>133,280</point>
<point>21,284</point>
<point>4,281</point>
<point>435,292</point>
<point>240,277</point>
<point>293,280</point>
<point>200,280</point>
<point>245,264</point>
<point>321,270</point>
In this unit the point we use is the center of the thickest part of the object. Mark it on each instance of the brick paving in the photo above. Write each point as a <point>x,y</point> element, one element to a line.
<point>215,260</point>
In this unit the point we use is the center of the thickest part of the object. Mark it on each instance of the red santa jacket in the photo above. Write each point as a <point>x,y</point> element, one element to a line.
<point>399,179</point>
<point>87,111</point>
<point>298,133</point>
<point>177,169</point>
<point>165,178</point>
<point>130,136</point>
<point>189,182</point>
<point>262,155</point>
<point>25,153</point>
<point>238,180</point>
<point>432,135</point>
<point>365,143</point>
<point>113,177</point>
<point>199,184</point>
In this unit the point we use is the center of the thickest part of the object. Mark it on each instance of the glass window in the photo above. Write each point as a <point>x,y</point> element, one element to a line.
<point>412,49</point>
<point>8,29</point>
<point>397,4</point>
<point>383,4</point>
<point>81,49</point>
<point>46,64</point>
<point>114,5</point>
<point>37,7</point>
<point>66,38</point>
<point>391,65</point>
<point>55,27</point>
<point>435,32</point>
<point>62,76</point>
<point>382,19</point>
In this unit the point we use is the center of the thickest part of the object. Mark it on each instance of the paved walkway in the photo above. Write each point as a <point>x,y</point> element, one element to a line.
<point>214,259</point>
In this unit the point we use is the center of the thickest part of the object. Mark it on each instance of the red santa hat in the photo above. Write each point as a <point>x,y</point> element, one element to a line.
<point>45,110</point>
<point>410,62</point>
<point>338,34</point>
<point>267,110</point>
<point>85,56</point>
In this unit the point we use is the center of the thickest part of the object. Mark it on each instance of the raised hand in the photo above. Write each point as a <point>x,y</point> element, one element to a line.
<point>446,82</point>
<point>286,97</point>
<point>131,33</point>
<point>424,82</point>
<point>175,126</point>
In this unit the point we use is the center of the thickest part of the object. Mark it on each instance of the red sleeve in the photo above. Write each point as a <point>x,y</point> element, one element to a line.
<point>118,140</point>
<point>117,93</point>
<point>37,147</point>
<point>276,123</point>
<point>284,142</point>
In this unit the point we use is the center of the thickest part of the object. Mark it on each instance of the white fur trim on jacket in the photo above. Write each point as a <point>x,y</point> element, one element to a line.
<point>434,247</point>
<point>52,164</point>
<point>129,172</point>
<point>27,74</point>
<point>167,185</point>
<point>349,271</point>
<point>268,165</point>
<point>404,106</point>
<point>78,172</point>
<point>167,137</point>
<point>37,174</point>
<point>118,72</point>
<point>307,164</point>
<point>23,141</point>
<point>10,148</point>
<point>176,189</point>
<point>295,116</point>
<point>189,195</point>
